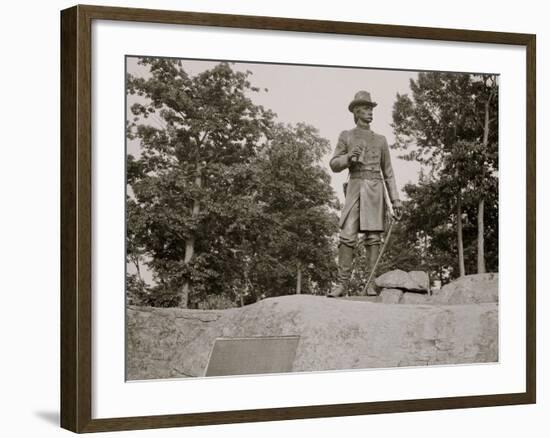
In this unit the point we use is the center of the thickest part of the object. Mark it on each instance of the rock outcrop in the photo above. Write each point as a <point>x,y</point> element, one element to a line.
<point>470,289</point>
<point>334,334</point>
<point>409,281</point>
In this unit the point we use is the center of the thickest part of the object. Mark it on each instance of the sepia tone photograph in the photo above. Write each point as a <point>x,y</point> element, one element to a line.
<point>304,218</point>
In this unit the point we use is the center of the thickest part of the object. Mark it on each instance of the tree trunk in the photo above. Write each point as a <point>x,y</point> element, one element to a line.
<point>481,202</point>
<point>299,279</point>
<point>461,269</point>
<point>190,246</point>
<point>480,237</point>
<point>241,293</point>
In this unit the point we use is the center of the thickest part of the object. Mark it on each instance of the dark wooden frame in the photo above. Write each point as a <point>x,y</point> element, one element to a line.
<point>76,177</point>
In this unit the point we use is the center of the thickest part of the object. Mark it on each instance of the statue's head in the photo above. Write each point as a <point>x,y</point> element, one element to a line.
<point>361,106</point>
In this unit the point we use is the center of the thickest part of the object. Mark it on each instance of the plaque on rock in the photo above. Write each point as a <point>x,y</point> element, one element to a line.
<point>254,355</point>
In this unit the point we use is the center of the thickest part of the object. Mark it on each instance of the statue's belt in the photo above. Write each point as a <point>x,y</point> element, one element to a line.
<point>366,174</point>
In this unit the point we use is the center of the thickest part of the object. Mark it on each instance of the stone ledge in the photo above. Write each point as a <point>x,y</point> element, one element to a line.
<point>352,333</point>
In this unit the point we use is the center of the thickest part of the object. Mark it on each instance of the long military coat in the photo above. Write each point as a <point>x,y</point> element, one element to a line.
<point>375,157</point>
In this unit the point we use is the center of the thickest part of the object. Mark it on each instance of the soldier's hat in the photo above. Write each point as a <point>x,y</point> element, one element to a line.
<point>361,98</point>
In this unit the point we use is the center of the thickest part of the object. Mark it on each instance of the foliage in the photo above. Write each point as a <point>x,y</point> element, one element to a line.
<point>137,291</point>
<point>450,126</point>
<point>295,194</point>
<point>221,197</point>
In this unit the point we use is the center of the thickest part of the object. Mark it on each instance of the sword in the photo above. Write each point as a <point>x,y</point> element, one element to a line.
<point>386,239</point>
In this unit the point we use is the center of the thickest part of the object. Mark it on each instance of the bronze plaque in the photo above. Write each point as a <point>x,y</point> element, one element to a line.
<point>255,355</point>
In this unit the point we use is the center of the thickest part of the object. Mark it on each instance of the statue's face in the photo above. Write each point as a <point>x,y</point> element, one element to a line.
<point>363,112</point>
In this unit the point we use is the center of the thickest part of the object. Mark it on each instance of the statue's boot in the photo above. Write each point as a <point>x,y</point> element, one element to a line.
<point>345,259</point>
<point>372,256</point>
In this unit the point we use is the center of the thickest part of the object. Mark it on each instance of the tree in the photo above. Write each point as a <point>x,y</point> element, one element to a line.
<point>208,122</point>
<point>295,193</point>
<point>446,126</point>
<point>224,205</point>
<point>487,154</point>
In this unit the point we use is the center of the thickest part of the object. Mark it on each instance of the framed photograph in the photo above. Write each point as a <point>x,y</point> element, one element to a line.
<point>269,218</point>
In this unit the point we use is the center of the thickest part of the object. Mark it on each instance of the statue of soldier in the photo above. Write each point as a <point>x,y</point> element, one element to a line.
<point>367,156</point>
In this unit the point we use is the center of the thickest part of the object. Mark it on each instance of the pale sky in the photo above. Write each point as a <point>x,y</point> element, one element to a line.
<point>320,97</point>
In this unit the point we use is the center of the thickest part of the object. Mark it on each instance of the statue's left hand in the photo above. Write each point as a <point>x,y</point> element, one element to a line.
<point>397,209</point>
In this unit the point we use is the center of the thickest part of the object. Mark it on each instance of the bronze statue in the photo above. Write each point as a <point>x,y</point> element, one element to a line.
<point>367,156</point>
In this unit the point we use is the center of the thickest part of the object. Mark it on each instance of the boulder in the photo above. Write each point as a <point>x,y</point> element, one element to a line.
<point>398,279</point>
<point>335,334</point>
<point>390,296</point>
<point>421,278</point>
<point>470,289</point>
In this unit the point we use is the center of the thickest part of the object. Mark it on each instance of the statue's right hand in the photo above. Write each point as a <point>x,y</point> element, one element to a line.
<point>354,154</point>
